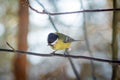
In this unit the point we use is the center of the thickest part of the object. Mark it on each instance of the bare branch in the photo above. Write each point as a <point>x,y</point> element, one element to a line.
<point>73,66</point>
<point>50,18</point>
<point>10,46</point>
<point>87,43</point>
<point>73,12</point>
<point>62,55</point>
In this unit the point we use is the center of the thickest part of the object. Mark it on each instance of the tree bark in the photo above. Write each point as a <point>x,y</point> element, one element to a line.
<point>114,42</point>
<point>20,61</point>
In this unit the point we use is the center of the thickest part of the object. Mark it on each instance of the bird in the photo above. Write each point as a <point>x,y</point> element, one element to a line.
<point>60,41</point>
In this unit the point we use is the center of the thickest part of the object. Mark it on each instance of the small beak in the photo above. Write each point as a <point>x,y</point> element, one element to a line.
<point>49,44</point>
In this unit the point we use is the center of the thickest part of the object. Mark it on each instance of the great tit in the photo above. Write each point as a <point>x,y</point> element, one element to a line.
<point>59,41</point>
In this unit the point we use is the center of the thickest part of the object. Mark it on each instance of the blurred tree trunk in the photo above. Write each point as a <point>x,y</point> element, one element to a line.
<point>20,61</point>
<point>115,41</point>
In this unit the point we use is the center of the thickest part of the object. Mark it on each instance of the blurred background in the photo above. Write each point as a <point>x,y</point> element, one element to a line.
<point>27,30</point>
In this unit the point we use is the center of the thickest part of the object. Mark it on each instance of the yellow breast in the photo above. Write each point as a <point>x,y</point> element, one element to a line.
<point>60,45</point>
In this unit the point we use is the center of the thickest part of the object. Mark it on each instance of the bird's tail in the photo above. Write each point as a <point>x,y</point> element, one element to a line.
<point>77,40</point>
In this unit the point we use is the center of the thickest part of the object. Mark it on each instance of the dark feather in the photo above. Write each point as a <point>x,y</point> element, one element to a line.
<point>65,38</point>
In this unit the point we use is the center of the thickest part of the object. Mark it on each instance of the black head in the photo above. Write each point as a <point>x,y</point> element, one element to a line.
<point>52,37</point>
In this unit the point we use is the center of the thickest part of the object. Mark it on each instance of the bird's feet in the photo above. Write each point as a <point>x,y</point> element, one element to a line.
<point>64,54</point>
<point>53,53</point>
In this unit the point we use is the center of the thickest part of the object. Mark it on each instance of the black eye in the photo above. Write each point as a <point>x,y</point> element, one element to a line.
<point>52,37</point>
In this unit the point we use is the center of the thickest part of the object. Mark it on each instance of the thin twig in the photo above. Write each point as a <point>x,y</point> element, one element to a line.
<point>87,43</point>
<point>10,46</point>
<point>50,18</point>
<point>73,66</point>
<point>62,55</point>
<point>72,12</point>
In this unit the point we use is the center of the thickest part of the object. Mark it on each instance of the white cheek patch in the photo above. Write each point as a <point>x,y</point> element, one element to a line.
<point>54,42</point>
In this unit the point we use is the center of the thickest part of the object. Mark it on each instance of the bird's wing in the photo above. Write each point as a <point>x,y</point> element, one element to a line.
<point>65,38</point>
